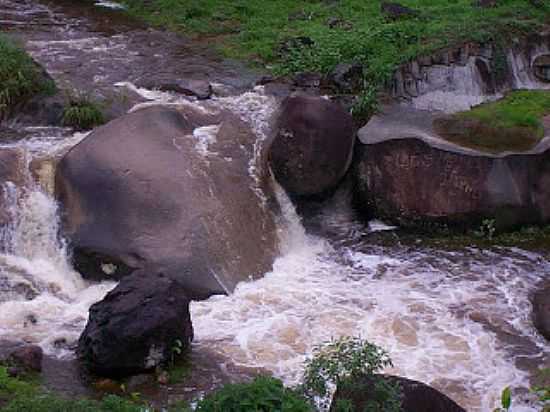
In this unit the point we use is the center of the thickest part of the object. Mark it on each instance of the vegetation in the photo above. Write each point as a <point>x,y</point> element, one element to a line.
<point>20,77</point>
<point>82,113</point>
<point>291,36</point>
<point>17,395</point>
<point>512,123</point>
<point>263,394</point>
<point>347,362</point>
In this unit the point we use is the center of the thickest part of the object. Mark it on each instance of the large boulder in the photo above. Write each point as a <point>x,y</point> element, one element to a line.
<point>541,310</point>
<point>405,174</point>
<point>172,190</point>
<point>137,326</point>
<point>313,145</point>
<point>415,396</point>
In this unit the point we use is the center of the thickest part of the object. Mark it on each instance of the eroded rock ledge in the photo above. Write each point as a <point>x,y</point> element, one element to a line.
<point>407,175</point>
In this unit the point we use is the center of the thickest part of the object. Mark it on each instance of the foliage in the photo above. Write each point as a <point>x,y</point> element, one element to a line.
<point>263,394</point>
<point>254,30</point>
<point>82,113</point>
<point>487,229</point>
<point>17,396</point>
<point>512,123</point>
<point>344,363</point>
<point>20,77</point>
<point>505,400</point>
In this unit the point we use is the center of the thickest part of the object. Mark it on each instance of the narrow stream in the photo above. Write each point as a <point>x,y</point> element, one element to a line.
<point>458,320</point>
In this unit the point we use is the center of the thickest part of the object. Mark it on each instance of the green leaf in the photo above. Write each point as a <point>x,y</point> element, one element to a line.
<point>506,398</point>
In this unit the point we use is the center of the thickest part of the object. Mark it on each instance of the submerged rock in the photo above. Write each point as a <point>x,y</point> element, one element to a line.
<point>416,396</point>
<point>136,327</point>
<point>171,190</point>
<point>28,357</point>
<point>313,146</point>
<point>405,174</point>
<point>541,310</point>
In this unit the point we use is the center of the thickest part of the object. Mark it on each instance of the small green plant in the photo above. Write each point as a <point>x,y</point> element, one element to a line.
<point>20,77</point>
<point>263,394</point>
<point>505,400</point>
<point>366,104</point>
<point>349,362</point>
<point>487,229</point>
<point>82,113</point>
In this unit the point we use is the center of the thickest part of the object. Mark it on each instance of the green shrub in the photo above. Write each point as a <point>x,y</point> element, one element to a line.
<point>20,77</point>
<point>263,394</point>
<point>347,363</point>
<point>82,114</point>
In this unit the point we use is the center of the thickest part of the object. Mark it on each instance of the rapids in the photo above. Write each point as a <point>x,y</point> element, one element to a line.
<point>458,320</point>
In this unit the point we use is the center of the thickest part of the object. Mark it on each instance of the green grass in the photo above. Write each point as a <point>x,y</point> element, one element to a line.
<point>18,395</point>
<point>253,30</point>
<point>20,77</point>
<point>512,123</point>
<point>82,114</point>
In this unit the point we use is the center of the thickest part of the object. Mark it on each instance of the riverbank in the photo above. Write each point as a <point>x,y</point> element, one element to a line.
<point>288,37</point>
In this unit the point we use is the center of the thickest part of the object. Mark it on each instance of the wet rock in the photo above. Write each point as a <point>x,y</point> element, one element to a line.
<point>541,67</point>
<point>541,310</point>
<point>169,189</point>
<point>293,44</point>
<point>201,89</point>
<point>27,357</point>
<point>307,79</point>
<point>136,326</point>
<point>396,11</point>
<point>346,77</point>
<point>416,396</point>
<point>313,145</point>
<point>485,4</point>
<point>405,174</point>
<point>137,381</point>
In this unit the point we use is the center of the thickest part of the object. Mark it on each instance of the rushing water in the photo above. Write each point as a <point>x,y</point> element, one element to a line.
<point>459,320</point>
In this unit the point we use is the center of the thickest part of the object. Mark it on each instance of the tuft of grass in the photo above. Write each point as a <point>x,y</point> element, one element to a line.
<point>20,77</point>
<point>254,30</point>
<point>82,114</point>
<point>514,123</point>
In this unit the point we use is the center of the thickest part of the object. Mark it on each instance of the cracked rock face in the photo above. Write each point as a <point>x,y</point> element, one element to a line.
<point>169,190</point>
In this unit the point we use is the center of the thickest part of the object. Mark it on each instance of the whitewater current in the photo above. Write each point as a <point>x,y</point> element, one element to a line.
<point>458,320</point>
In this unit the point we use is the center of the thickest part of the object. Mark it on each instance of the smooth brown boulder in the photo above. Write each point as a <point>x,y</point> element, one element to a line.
<point>541,310</point>
<point>413,184</point>
<point>170,190</point>
<point>28,357</point>
<point>415,396</point>
<point>313,145</point>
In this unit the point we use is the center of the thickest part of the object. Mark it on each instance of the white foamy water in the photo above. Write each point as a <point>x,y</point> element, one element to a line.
<point>443,316</point>
<point>427,308</point>
<point>42,299</point>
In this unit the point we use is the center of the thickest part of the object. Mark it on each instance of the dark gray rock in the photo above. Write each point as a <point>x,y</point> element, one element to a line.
<point>541,310</point>
<point>28,358</point>
<point>169,190</point>
<point>416,396</point>
<point>346,77</point>
<point>13,167</point>
<point>201,89</point>
<point>485,4</point>
<point>136,327</point>
<point>307,79</point>
<point>312,149</point>
<point>396,11</point>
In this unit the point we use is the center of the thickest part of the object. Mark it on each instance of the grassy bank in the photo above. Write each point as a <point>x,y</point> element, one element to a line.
<point>340,31</point>
<point>514,123</point>
<point>20,77</point>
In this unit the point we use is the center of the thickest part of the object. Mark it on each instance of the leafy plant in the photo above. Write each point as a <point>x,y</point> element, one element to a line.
<point>20,77</point>
<point>263,394</point>
<point>345,363</point>
<point>82,113</point>
<point>486,229</point>
<point>505,400</point>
